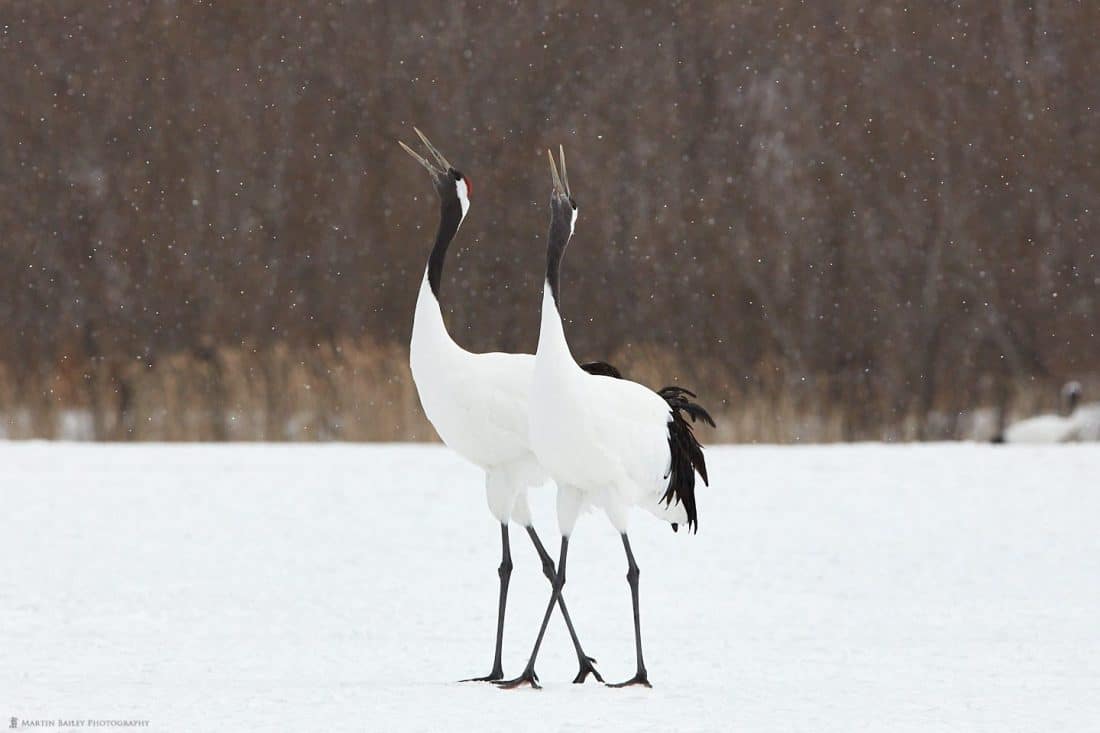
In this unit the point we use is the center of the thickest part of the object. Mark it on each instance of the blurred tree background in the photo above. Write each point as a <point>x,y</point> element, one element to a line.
<point>835,220</point>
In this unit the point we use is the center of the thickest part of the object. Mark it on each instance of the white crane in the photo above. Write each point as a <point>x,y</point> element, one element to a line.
<point>608,443</point>
<point>1079,423</point>
<point>478,402</point>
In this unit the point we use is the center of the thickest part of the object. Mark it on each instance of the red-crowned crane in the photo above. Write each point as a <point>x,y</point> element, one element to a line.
<point>608,443</point>
<point>478,402</point>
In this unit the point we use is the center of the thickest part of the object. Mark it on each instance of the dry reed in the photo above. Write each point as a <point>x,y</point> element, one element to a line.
<point>363,391</point>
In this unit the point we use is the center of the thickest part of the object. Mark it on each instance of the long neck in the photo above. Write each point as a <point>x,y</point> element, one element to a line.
<point>450,217</point>
<point>552,343</point>
<point>551,333</point>
<point>556,242</point>
<point>430,340</point>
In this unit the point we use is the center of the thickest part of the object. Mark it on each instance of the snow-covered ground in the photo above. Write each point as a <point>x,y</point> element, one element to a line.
<point>340,587</point>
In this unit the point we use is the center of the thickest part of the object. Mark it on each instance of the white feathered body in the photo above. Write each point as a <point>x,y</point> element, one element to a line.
<point>1040,429</point>
<point>1083,424</point>
<point>1088,421</point>
<point>478,404</point>
<point>603,440</point>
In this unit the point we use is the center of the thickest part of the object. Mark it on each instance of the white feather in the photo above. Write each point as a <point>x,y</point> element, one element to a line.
<point>478,405</point>
<point>1040,429</point>
<point>604,440</point>
<point>463,196</point>
<point>1083,424</point>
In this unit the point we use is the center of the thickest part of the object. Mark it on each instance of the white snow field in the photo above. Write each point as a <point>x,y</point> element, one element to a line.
<point>347,588</point>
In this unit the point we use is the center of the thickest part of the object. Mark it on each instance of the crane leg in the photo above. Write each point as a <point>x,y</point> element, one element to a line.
<point>586,663</point>
<point>528,677</point>
<point>505,573</point>
<point>640,677</point>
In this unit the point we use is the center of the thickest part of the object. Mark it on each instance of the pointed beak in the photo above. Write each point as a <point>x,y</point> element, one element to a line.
<point>559,187</point>
<point>419,158</point>
<point>564,173</point>
<point>561,182</point>
<point>443,162</point>
<point>437,168</point>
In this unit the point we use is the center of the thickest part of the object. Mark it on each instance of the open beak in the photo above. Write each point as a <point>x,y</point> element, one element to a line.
<point>441,164</point>
<point>561,183</point>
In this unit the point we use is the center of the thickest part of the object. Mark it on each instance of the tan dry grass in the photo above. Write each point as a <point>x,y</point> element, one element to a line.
<point>362,391</point>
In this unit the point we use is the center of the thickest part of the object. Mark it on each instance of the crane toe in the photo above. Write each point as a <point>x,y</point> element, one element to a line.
<point>527,678</point>
<point>493,676</point>
<point>641,679</point>
<point>587,668</point>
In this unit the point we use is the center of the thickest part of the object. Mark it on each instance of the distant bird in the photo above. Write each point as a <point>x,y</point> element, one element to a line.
<point>608,443</point>
<point>1078,423</point>
<point>478,402</point>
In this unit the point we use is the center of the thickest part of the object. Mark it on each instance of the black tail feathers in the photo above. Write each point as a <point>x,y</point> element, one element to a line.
<point>686,452</point>
<point>683,446</point>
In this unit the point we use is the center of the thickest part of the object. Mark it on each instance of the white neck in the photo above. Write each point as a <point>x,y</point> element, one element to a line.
<point>430,339</point>
<point>553,348</point>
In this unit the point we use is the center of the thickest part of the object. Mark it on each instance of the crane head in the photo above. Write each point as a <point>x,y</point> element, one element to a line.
<point>450,184</point>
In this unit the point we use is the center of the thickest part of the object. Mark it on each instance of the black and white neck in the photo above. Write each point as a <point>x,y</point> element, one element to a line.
<point>454,202</point>
<point>563,221</point>
<point>552,343</point>
<point>432,351</point>
<point>563,218</point>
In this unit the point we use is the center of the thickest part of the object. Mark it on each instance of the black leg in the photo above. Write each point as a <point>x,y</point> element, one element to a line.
<point>585,662</point>
<point>529,677</point>
<point>505,572</point>
<point>640,677</point>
